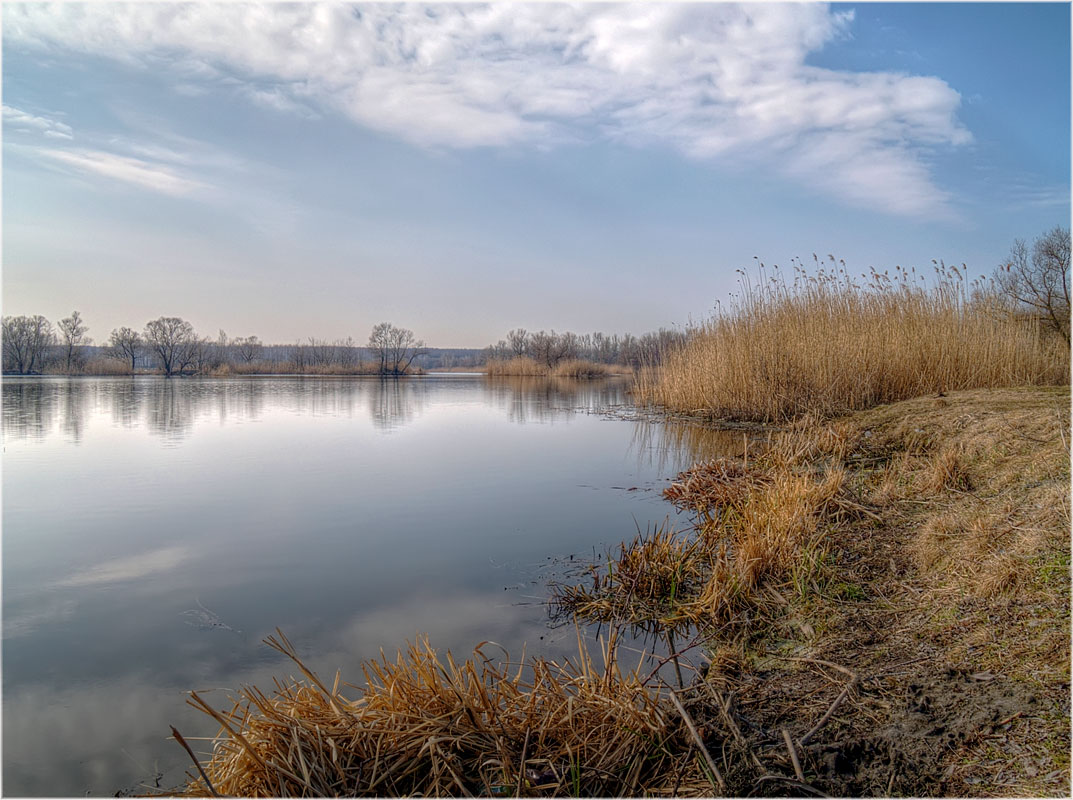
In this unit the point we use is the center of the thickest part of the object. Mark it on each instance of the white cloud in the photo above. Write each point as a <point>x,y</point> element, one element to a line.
<point>23,121</point>
<point>156,177</point>
<point>718,81</point>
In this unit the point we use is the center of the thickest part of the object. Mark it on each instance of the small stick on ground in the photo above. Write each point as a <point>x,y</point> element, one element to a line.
<point>700,742</point>
<point>793,755</point>
<point>793,782</point>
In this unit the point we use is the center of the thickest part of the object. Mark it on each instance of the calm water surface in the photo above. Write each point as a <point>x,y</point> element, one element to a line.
<point>155,531</point>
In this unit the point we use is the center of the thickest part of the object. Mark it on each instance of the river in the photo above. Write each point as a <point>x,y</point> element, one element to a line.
<point>155,531</point>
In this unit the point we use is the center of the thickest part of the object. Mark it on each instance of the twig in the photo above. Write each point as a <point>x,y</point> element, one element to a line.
<point>700,742</point>
<point>843,670</point>
<point>179,738</point>
<point>823,720</point>
<point>724,709</point>
<point>793,755</point>
<point>793,782</point>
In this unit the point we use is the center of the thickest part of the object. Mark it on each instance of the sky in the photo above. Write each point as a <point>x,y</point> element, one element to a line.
<point>298,170</point>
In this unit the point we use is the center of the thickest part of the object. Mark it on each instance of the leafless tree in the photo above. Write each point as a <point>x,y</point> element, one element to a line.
<point>518,341</point>
<point>395,348</point>
<point>551,348</point>
<point>1037,281</point>
<point>72,334</point>
<point>248,348</point>
<point>26,343</point>
<point>126,343</point>
<point>171,340</point>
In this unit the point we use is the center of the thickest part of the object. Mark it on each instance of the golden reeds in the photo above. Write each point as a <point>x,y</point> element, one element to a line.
<point>826,344</point>
<point>572,368</point>
<point>755,522</point>
<point>426,725</point>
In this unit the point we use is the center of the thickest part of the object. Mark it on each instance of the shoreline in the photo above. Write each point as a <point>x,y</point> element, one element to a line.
<point>879,669</point>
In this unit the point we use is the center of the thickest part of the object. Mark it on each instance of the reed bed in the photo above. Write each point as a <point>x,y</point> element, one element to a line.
<point>428,726</point>
<point>572,368</point>
<point>757,524</point>
<point>825,344</point>
<point>521,365</point>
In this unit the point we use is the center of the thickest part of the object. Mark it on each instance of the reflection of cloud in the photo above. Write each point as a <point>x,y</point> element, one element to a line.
<point>69,741</point>
<point>52,611</point>
<point>129,568</point>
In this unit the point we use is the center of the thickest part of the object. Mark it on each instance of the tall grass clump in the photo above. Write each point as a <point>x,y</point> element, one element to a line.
<point>427,726</point>
<point>826,343</point>
<point>520,365</point>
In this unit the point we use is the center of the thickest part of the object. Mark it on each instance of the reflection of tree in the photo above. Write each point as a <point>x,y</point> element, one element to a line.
<point>394,402</point>
<point>123,397</point>
<point>29,408</point>
<point>533,399</point>
<point>74,401</point>
<point>170,408</point>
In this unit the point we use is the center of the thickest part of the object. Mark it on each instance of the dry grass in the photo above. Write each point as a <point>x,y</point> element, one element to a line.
<point>824,344</point>
<point>573,368</point>
<point>758,524</point>
<point>427,726</point>
<point>579,368</point>
<point>522,365</point>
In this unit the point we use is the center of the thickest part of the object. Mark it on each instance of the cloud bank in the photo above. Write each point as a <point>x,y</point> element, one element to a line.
<point>719,82</point>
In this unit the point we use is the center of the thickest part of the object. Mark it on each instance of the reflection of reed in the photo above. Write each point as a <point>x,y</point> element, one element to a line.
<point>672,445</point>
<point>536,399</point>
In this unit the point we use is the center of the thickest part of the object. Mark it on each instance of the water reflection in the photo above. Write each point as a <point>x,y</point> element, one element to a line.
<point>297,503</point>
<point>170,409</point>
<point>668,445</point>
<point>396,403</point>
<point>534,399</point>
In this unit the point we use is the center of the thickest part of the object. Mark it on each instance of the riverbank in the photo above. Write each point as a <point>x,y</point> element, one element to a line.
<point>904,632</point>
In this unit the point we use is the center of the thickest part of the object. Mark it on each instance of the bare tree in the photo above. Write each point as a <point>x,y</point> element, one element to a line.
<point>171,340</point>
<point>72,334</point>
<point>26,343</point>
<point>395,348</point>
<point>1037,281</point>
<point>126,343</point>
<point>518,341</point>
<point>248,348</point>
<point>551,348</point>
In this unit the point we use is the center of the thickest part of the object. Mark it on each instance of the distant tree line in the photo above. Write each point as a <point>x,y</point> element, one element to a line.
<point>171,346</point>
<point>549,348</point>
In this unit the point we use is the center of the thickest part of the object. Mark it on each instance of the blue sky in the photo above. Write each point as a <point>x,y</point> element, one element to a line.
<point>310,170</point>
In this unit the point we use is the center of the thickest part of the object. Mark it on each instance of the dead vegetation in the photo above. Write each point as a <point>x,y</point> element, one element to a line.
<point>828,343</point>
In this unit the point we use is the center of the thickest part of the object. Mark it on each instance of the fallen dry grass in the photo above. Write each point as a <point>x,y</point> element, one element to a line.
<point>425,725</point>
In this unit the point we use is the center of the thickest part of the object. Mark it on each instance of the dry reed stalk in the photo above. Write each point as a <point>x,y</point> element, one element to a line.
<point>426,725</point>
<point>825,344</point>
